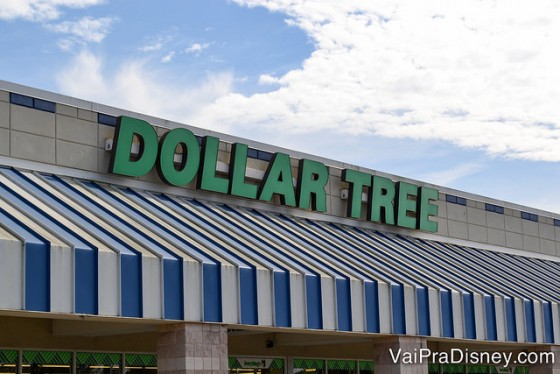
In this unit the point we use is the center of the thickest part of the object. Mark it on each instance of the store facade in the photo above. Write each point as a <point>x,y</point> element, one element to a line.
<point>133,244</point>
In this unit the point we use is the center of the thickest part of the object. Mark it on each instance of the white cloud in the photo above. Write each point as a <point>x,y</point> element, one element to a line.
<point>73,79</point>
<point>135,86</point>
<point>268,79</point>
<point>478,74</point>
<point>151,47</point>
<point>66,44</point>
<point>168,57</point>
<point>86,29</point>
<point>40,10</point>
<point>450,176</point>
<point>158,42</point>
<point>196,48</point>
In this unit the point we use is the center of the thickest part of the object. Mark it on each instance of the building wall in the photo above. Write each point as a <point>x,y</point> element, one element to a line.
<point>72,137</point>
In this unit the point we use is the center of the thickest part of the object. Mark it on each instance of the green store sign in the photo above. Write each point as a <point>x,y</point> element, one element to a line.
<point>393,203</point>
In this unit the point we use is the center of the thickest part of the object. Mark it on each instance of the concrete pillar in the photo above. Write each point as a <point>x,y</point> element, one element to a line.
<point>192,348</point>
<point>386,351</point>
<point>550,353</point>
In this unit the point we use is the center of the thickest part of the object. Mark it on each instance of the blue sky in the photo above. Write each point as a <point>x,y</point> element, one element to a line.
<point>461,94</point>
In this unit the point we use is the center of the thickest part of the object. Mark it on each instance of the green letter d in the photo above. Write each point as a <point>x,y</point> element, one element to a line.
<point>122,162</point>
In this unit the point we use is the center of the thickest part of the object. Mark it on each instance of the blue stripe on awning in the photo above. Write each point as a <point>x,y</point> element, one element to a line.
<point>469,281</point>
<point>490,309</point>
<point>282,305</point>
<point>530,320</point>
<point>37,270</point>
<point>372,308</point>
<point>271,235</point>
<point>131,285</point>
<point>130,258</point>
<point>261,251</point>
<point>500,276</point>
<point>212,289</point>
<point>538,270</point>
<point>548,323</point>
<point>423,308</point>
<point>511,330</point>
<point>85,254</point>
<point>203,255</point>
<point>247,271</point>
<point>314,307</point>
<point>85,258</point>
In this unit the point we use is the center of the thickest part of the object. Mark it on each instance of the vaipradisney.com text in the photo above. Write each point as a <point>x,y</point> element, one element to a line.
<point>466,356</point>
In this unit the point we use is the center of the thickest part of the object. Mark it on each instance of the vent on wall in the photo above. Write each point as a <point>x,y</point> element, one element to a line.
<point>106,119</point>
<point>455,199</point>
<point>32,102</point>
<point>529,216</point>
<point>494,208</point>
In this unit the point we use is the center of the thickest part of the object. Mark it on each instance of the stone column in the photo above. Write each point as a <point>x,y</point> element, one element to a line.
<point>550,353</point>
<point>386,350</point>
<point>192,348</point>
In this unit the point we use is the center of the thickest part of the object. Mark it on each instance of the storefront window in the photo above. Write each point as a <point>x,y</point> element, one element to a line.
<point>509,370</point>
<point>8,361</point>
<point>309,366</point>
<point>252,365</point>
<point>366,367</point>
<point>50,362</point>
<point>138,363</point>
<point>320,366</point>
<point>46,362</point>
<point>453,369</point>
<point>98,363</point>
<point>341,367</point>
<point>478,369</point>
<point>433,368</point>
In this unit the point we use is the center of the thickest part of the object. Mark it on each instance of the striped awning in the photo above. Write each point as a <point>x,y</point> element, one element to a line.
<point>81,247</point>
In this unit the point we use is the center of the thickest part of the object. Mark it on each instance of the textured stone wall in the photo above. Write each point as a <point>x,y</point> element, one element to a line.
<point>192,348</point>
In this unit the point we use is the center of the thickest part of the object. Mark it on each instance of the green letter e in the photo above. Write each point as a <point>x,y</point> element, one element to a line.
<point>122,162</point>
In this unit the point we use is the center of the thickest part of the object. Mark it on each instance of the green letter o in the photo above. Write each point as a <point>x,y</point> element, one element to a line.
<point>187,169</point>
